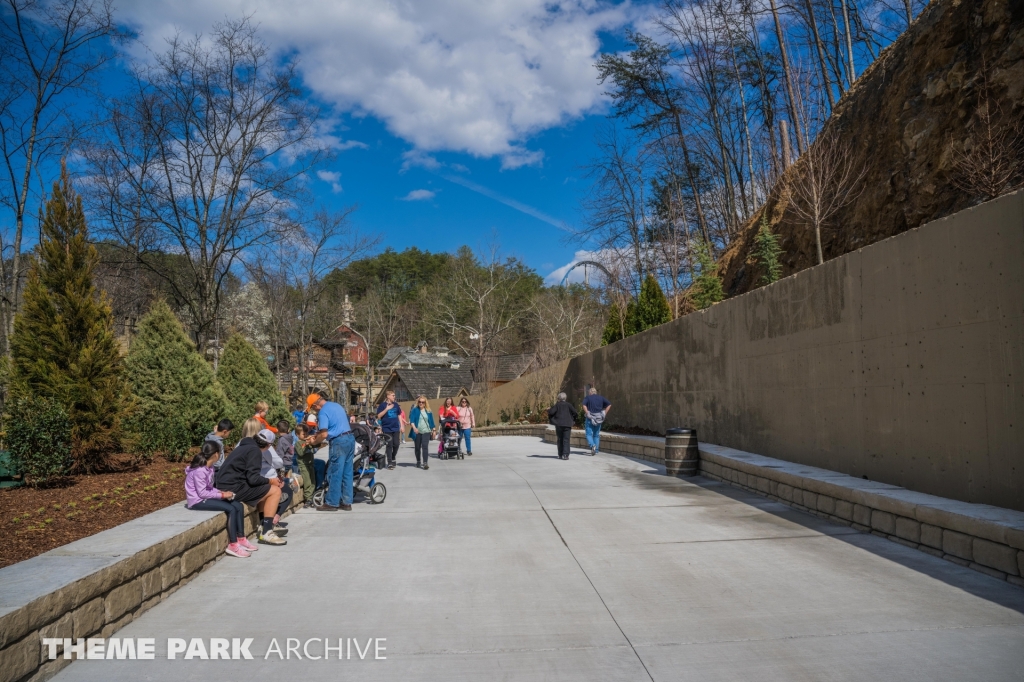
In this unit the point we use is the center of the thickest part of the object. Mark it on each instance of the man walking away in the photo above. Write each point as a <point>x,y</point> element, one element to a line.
<point>563,416</point>
<point>596,409</point>
<point>333,426</point>
<point>389,414</point>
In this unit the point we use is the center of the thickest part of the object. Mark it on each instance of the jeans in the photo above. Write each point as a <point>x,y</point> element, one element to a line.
<point>234,510</point>
<point>339,470</point>
<point>421,445</point>
<point>593,434</point>
<point>392,449</point>
<point>562,434</point>
<point>320,471</point>
<point>466,433</point>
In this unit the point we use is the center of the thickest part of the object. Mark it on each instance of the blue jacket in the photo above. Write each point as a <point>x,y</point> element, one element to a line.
<point>414,418</point>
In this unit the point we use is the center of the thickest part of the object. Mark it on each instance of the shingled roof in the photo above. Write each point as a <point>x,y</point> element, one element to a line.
<point>511,367</point>
<point>436,357</point>
<point>439,382</point>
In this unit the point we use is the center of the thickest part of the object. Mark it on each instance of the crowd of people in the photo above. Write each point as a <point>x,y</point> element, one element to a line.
<point>260,475</point>
<point>265,477</point>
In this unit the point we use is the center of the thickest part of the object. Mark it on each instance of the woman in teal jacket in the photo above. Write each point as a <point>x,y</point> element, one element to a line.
<point>422,421</point>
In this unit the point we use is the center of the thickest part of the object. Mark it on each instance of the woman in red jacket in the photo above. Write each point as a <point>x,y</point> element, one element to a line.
<point>448,409</point>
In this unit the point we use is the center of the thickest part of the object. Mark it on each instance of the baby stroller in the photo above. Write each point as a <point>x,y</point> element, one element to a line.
<point>367,460</point>
<point>449,448</point>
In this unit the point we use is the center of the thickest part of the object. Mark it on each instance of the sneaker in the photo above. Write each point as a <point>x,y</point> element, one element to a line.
<point>469,454</point>
<point>246,545</point>
<point>235,549</point>
<point>326,507</point>
<point>282,524</point>
<point>345,507</point>
<point>280,531</point>
<point>270,538</point>
<point>391,467</point>
<point>426,466</point>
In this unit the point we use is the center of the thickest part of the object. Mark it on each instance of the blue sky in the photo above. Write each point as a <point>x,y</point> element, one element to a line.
<point>466,200</point>
<point>460,122</point>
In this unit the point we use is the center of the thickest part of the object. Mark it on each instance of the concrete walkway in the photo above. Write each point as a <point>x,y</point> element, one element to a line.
<point>513,565</point>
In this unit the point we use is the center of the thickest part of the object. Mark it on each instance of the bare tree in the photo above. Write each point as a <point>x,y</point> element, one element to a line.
<point>483,300</point>
<point>825,180</point>
<point>204,159</point>
<point>49,51</point>
<point>569,321</point>
<point>386,315</point>
<point>618,218</point>
<point>314,248</point>
<point>991,160</point>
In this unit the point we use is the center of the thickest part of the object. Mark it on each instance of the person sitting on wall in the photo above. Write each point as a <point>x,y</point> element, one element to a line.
<point>241,475</point>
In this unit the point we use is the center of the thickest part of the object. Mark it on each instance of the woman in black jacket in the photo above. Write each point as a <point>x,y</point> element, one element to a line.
<point>240,474</point>
<point>563,416</point>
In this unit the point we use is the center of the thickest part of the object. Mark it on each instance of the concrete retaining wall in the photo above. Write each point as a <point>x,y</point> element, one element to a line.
<point>902,362</point>
<point>95,586</point>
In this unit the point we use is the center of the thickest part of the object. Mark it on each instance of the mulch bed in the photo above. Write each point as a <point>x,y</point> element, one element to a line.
<point>39,519</point>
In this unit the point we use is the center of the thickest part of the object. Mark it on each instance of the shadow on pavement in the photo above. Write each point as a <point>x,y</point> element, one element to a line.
<point>964,578</point>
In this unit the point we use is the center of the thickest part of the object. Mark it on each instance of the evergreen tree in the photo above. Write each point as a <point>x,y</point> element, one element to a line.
<point>650,310</point>
<point>63,346</point>
<point>766,252</point>
<point>178,399</point>
<point>246,380</point>
<point>707,288</point>
<point>612,330</point>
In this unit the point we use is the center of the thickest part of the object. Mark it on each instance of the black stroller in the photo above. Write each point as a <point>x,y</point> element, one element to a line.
<point>368,459</point>
<point>449,448</point>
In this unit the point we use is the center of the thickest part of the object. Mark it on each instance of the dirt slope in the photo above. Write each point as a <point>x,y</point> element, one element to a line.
<point>902,117</point>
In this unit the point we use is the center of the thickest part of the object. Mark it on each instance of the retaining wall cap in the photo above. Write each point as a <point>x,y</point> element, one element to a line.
<point>980,520</point>
<point>68,576</point>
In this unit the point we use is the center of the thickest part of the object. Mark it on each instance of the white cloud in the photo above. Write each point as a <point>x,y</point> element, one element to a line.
<point>415,158</point>
<point>445,75</point>
<point>419,195</point>
<point>332,177</point>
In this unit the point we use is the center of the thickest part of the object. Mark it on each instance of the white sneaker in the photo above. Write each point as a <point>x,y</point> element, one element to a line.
<point>271,538</point>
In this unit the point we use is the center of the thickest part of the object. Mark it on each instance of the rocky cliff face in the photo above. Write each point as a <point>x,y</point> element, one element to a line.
<point>904,121</point>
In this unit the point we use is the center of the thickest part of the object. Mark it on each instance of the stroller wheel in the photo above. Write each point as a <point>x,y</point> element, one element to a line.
<point>377,493</point>
<point>318,498</point>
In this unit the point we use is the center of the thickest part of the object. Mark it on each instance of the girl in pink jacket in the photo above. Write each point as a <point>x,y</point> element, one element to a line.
<point>202,496</point>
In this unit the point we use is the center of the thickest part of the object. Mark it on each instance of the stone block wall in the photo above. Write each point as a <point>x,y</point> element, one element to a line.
<point>97,603</point>
<point>985,538</point>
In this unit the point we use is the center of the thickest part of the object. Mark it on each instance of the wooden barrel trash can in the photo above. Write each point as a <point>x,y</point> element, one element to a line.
<point>681,454</point>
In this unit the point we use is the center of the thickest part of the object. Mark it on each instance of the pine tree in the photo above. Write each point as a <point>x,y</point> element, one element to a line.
<point>650,310</point>
<point>246,380</point>
<point>766,252</point>
<point>707,288</point>
<point>178,399</point>
<point>63,347</point>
